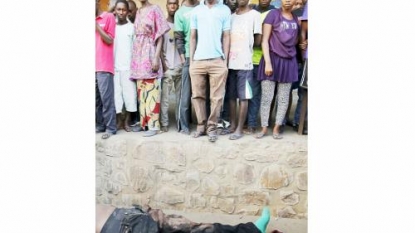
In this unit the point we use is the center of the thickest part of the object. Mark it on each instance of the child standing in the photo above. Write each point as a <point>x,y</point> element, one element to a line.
<point>245,29</point>
<point>278,63</point>
<point>124,88</point>
<point>104,72</point>
<point>172,67</point>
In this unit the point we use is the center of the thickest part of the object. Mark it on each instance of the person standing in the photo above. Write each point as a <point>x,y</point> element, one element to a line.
<point>104,72</point>
<point>146,67</point>
<point>125,89</point>
<point>132,11</point>
<point>245,30</point>
<point>182,38</point>
<point>263,8</point>
<point>209,49</point>
<point>172,68</point>
<point>278,65</point>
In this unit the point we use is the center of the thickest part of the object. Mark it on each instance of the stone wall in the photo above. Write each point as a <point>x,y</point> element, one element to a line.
<point>174,171</point>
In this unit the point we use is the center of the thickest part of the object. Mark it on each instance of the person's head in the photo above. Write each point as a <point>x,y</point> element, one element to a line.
<point>143,1</point>
<point>242,3</point>
<point>97,7</point>
<point>287,4</point>
<point>264,3</point>
<point>212,1</point>
<point>232,4</point>
<point>133,10</point>
<point>121,10</point>
<point>172,6</point>
<point>298,4</point>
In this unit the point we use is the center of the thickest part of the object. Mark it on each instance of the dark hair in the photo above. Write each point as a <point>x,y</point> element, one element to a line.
<point>177,2</point>
<point>131,1</point>
<point>123,1</point>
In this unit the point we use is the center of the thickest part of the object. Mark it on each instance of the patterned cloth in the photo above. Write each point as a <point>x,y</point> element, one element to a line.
<point>283,95</point>
<point>149,95</point>
<point>149,26</point>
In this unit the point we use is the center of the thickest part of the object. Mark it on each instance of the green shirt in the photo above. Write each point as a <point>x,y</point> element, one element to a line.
<point>182,23</point>
<point>256,57</point>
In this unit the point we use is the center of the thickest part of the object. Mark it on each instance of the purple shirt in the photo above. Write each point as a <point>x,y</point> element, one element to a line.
<point>284,34</point>
<point>304,17</point>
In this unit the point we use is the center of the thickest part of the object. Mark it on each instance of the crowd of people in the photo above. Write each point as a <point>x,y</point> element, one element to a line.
<point>212,55</point>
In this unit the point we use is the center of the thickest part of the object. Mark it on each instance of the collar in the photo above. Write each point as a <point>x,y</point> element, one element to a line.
<point>101,15</point>
<point>219,2</point>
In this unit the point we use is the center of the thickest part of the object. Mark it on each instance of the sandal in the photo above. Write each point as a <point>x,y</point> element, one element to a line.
<point>164,129</point>
<point>226,131</point>
<point>259,135</point>
<point>185,132</point>
<point>198,134</point>
<point>150,133</point>
<point>106,135</point>
<point>235,136</point>
<point>127,128</point>
<point>212,137</point>
<point>276,136</point>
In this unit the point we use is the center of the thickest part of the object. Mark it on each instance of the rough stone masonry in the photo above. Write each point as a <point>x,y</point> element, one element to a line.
<point>177,172</point>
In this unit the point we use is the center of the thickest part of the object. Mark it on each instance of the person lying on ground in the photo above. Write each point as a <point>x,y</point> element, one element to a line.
<point>110,219</point>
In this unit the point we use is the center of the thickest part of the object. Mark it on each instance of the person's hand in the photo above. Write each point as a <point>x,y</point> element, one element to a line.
<point>268,69</point>
<point>183,59</point>
<point>155,64</point>
<point>303,46</point>
<point>96,25</point>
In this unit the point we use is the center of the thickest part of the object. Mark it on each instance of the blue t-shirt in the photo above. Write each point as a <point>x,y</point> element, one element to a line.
<point>210,23</point>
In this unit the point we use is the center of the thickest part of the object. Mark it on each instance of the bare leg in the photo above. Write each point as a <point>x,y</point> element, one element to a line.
<point>127,122</point>
<point>119,121</point>
<point>232,114</point>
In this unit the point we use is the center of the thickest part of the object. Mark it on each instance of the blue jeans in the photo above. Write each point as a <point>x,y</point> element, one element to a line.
<point>298,108</point>
<point>255,102</point>
<point>104,102</point>
<point>184,107</point>
<point>300,93</point>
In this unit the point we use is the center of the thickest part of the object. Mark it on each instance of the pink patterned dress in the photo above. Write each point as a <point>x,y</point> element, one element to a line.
<point>149,26</point>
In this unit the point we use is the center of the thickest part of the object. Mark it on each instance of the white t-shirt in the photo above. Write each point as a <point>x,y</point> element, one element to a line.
<point>123,46</point>
<point>243,28</point>
<point>170,53</point>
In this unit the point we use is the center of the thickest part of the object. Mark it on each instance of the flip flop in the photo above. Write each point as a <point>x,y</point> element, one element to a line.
<point>106,135</point>
<point>226,131</point>
<point>259,135</point>
<point>198,134</point>
<point>212,137</point>
<point>276,136</point>
<point>185,132</point>
<point>127,128</point>
<point>235,136</point>
<point>150,133</point>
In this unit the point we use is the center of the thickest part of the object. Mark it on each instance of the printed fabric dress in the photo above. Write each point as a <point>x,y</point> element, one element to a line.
<point>149,25</point>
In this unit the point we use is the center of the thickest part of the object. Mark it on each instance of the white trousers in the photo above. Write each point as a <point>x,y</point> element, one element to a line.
<point>125,91</point>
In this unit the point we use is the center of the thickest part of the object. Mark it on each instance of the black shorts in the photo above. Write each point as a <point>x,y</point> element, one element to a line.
<point>240,84</point>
